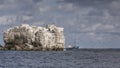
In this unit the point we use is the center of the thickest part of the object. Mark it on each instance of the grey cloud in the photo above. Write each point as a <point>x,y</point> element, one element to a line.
<point>17,7</point>
<point>89,3</point>
<point>2,2</point>
<point>101,5</point>
<point>104,12</point>
<point>36,1</point>
<point>86,19</point>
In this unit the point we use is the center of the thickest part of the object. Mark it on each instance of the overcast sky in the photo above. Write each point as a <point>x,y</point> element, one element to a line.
<point>87,23</point>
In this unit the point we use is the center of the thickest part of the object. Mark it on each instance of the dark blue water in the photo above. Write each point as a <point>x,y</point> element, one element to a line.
<point>60,59</point>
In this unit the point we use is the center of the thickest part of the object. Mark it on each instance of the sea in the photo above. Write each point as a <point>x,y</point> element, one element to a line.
<point>82,58</point>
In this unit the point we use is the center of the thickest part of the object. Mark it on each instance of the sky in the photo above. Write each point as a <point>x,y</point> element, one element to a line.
<point>86,23</point>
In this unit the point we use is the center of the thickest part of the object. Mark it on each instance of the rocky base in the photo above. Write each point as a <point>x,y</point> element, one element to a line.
<point>19,48</point>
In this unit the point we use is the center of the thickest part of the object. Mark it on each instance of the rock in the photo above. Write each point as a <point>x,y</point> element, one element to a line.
<point>8,47</point>
<point>1,47</point>
<point>18,47</point>
<point>26,37</point>
<point>28,46</point>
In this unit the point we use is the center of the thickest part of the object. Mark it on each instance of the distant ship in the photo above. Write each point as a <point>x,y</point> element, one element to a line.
<point>75,47</point>
<point>72,47</point>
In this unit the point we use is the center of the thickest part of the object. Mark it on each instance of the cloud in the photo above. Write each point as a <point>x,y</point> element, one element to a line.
<point>92,23</point>
<point>89,3</point>
<point>37,1</point>
<point>27,18</point>
<point>90,20</point>
<point>6,20</point>
<point>98,27</point>
<point>101,5</point>
<point>67,7</point>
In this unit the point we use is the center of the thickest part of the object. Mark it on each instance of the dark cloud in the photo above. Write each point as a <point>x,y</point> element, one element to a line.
<point>89,3</point>
<point>2,2</point>
<point>36,1</point>
<point>100,5</point>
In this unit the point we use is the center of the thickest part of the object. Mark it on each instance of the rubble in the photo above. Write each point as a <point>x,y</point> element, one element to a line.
<point>26,37</point>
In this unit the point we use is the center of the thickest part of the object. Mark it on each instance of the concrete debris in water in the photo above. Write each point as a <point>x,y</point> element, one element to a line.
<point>26,37</point>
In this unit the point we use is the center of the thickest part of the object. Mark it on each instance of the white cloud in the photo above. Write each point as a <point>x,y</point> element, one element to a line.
<point>94,36</point>
<point>38,23</point>
<point>25,18</point>
<point>67,7</point>
<point>109,27</point>
<point>4,20</point>
<point>44,8</point>
<point>98,26</point>
<point>115,4</point>
<point>97,32</point>
<point>7,6</point>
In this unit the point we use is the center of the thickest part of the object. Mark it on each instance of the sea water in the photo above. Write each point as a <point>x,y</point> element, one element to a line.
<point>60,59</point>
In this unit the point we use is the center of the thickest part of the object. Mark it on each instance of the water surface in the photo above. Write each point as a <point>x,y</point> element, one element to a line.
<point>60,59</point>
